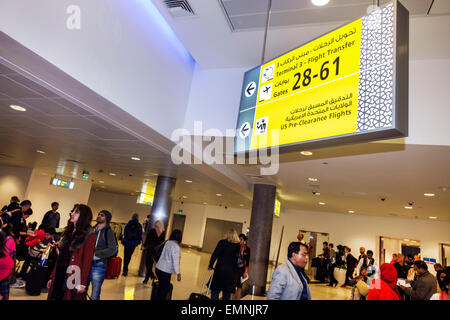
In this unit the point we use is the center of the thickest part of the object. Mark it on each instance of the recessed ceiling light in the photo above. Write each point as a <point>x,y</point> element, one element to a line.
<point>306,153</point>
<point>184,197</point>
<point>112,174</point>
<point>188,181</point>
<point>408,207</point>
<point>406,239</point>
<point>102,186</point>
<point>241,205</point>
<point>351,211</point>
<point>320,2</point>
<point>40,151</point>
<point>17,108</point>
<point>218,194</point>
<point>322,203</point>
<point>312,179</point>
<point>317,194</point>
<point>205,203</point>
<point>432,217</point>
<point>135,158</point>
<point>101,181</point>
<point>428,194</point>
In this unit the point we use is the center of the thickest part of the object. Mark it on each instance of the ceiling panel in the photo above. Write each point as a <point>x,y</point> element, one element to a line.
<point>46,106</point>
<point>440,7</point>
<point>69,105</point>
<point>5,70</point>
<point>31,85</point>
<point>11,89</point>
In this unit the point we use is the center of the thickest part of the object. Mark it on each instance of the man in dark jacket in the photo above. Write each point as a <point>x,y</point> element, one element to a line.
<point>132,237</point>
<point>52,217</point>
<point>105,247</point>
<point>425,285</point>
<point>351,264</point>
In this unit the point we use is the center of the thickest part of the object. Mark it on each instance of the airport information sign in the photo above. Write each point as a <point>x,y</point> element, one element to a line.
<point>342,87</point>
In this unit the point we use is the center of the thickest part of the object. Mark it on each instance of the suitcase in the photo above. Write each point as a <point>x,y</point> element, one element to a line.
<point>155,290</point>
<point>114,267</point>
<point>36,279</point>
<point>201,296</point>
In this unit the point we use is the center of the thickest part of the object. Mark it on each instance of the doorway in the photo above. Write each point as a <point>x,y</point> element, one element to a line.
<point>215,231</point>
<point>178,222</point>
<point>445,254</point>
<point>314,240</point>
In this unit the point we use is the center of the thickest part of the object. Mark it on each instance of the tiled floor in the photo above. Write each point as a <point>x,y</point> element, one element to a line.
<point>193,267</point>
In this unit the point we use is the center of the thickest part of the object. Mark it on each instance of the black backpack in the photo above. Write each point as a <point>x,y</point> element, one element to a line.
<point>133,232</point>
<point>157,251</point>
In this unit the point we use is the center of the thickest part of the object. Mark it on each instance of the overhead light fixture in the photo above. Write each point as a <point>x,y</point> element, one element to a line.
<point>408,207</point>
<point>102,186</point>
<point>188,181</point>
<point>101,181</point>
<point>428,194</point>
<point>312,179</point>
<point>17,108</point>
<point>432,217</point>
<point>135,158</point>
<point>40,151</point>
<point>320,3</point>
<point>184,197</point>
<point>241,205</point>
<point>322,203</point>
<point>205,203</point>
<point>112,174</point>
<point>218,194</point>
<point>407,240</point>
<point>306,153</point>
<point>351,211</point>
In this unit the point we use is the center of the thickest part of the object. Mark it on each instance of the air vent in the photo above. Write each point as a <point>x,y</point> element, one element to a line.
<point>179,8</point>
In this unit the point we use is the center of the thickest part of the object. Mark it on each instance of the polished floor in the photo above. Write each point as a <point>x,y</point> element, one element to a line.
<point>194,264</point>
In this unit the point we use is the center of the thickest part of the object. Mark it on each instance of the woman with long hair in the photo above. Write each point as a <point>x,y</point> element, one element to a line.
<point>225,272</point>
<point>154,238</point>
<point>76,252</point>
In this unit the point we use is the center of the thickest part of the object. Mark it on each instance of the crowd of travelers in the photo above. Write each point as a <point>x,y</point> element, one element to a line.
<point>71,260</point>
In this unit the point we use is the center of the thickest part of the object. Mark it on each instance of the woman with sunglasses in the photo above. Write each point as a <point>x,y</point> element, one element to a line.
<point>76,252</point>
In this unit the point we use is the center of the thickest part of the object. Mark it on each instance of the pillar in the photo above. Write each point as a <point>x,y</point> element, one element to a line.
<point>162,203</point>
<point>259,237</point>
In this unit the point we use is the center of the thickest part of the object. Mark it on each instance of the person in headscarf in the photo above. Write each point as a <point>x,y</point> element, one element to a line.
<point>386,287</point>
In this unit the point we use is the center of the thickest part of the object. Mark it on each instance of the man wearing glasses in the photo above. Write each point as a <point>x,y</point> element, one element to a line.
<point>105,247</point>
<point>288,282</point>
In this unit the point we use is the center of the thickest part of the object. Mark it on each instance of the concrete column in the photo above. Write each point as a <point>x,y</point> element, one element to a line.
<point>259,236</point>
<point>162,203</point>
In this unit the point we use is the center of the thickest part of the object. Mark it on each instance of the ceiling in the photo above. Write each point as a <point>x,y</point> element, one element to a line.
<point>75,140</point>
<point>230,33</point>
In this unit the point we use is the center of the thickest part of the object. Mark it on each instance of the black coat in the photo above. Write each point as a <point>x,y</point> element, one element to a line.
<point>225,271</point>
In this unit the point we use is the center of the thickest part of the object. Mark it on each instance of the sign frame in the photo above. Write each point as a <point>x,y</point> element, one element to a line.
<point>400,103</point>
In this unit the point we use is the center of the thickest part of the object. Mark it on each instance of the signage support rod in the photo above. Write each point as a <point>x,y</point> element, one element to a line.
<point>269,11</point>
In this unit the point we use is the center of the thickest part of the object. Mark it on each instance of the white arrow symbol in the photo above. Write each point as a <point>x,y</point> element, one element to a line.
<point>244,131</point>
<point>250,89</point>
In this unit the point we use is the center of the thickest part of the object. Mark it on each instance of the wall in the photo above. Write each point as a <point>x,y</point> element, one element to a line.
<point>120,205</point>
<point>124,51</point>
<point>41,194</point>
<point>351,230</point>
<point>13,182</point>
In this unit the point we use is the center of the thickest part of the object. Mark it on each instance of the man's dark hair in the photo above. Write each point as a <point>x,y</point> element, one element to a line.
<point>349,250</point>
<point>370,252</point>
<point>33,225</point>
<point>25,203</point>
<point>325,242</point>
<point>55,204</point>
<point>135,216</point>
<point>29,212</point>
<point>438,265</point>
<point>15,199</point>
<point>331,245</point>
<point>410,256</point>
<point>176,235</point>
<point>294,247</point>
<point>421,265</point>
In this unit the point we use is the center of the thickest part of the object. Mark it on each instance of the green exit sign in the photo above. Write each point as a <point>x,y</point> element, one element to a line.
<point>180,211</point>
<point>85,175</point>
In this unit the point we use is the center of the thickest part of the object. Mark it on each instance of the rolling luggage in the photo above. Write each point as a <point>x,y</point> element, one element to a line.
<point>114,267</point>
<point>36,279</point>
<point>155,290</point>
<point>201,296</point>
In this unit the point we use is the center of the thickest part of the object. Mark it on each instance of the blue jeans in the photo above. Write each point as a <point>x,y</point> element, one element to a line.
<point>96,276</point>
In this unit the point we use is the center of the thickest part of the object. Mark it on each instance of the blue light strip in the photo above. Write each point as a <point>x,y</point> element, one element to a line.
<point>166,29</point>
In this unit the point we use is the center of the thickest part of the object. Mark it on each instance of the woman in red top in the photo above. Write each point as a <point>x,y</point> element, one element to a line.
<point>76,252</point>
<point>386,287</point>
